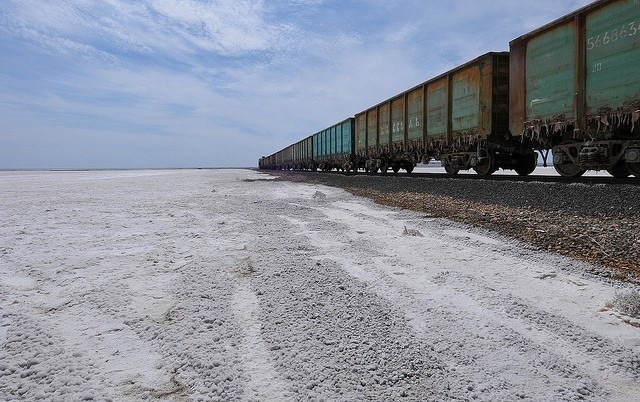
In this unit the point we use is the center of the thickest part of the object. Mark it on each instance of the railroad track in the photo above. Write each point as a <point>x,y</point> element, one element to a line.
<point>588,180</point>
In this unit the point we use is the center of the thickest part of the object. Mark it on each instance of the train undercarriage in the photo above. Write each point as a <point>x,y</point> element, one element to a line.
<point>486,157</point>
<point>571,158</point>
<point>620,158</point>
<point>482,156</point>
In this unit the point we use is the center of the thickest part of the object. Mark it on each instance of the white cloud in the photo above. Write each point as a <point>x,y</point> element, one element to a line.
<point>225,26</point>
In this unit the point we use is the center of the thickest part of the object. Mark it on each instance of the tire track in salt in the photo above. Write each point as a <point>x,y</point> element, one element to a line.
<point>264,382</point>
<point>569,379</point>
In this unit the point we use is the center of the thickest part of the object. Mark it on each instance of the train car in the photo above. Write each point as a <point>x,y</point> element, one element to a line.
<point>460,118</point>
<point>333,147</point>
<point>263,162</point>
<point>298,156</point>
<point>575,89</point>
<point>267,162</point>
<point>383,139</point>
<point>303,154</point>
<point>285,158</point>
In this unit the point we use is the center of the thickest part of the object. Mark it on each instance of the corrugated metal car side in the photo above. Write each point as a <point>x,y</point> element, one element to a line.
<point>612,42</point>
<point>576,70</point>
<point>398,120</point>
<point>415,110</point>
<point>372,131</point>
<point>437,110</point>
<point>348,127</point>
<point>361,134</point>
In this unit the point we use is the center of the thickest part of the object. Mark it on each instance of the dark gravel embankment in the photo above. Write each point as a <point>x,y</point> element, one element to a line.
<point>599,224</point>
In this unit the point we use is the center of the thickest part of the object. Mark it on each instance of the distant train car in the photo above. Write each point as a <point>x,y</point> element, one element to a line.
<point>333,147</point>
<point>303,155</point>
<point>284,158</point>
<point>460,118</point>
<point>267,162</point>
<point>575,88</point>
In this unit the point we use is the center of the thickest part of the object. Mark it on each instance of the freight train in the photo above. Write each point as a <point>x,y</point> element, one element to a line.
<point>571,87</point>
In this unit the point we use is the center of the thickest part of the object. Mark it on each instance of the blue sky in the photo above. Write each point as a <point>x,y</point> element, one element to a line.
<point>207,83</point>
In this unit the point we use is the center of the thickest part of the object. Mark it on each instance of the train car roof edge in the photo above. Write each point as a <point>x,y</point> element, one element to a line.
<point>562,20</point>
<point>437,77</point>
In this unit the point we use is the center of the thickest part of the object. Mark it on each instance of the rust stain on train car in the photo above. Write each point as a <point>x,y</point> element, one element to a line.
<point>372,129</point>
<point>438,109</point>
<point>465,102</point>
<point>384,123</point>
<point>361,134</point>
<point>415,123</point>
<point>397,120</point>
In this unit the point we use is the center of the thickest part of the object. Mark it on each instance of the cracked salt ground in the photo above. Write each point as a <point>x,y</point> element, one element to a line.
<point>221,285</point>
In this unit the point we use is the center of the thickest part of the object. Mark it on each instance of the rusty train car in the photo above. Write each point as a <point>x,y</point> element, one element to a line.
<point>571,87</point>
<point>459,118</point>
<point>575,89</point>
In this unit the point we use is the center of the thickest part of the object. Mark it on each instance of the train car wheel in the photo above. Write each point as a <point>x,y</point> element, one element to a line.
<point>395,168</point>
<point>485,165</point>
<point>526,164</point>
<point>568,170</point>
<point>409,169</point>
<point>384,167</point>
<point>634,169</point>
<point>619,170</point>
<point>450,169</point>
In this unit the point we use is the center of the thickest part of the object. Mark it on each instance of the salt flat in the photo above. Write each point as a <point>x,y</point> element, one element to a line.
<point>226,284</point>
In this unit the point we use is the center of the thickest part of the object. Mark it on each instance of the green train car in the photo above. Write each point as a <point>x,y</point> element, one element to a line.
<point>328,149</point>
<point>575,89</point>
<point>333,146</point>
